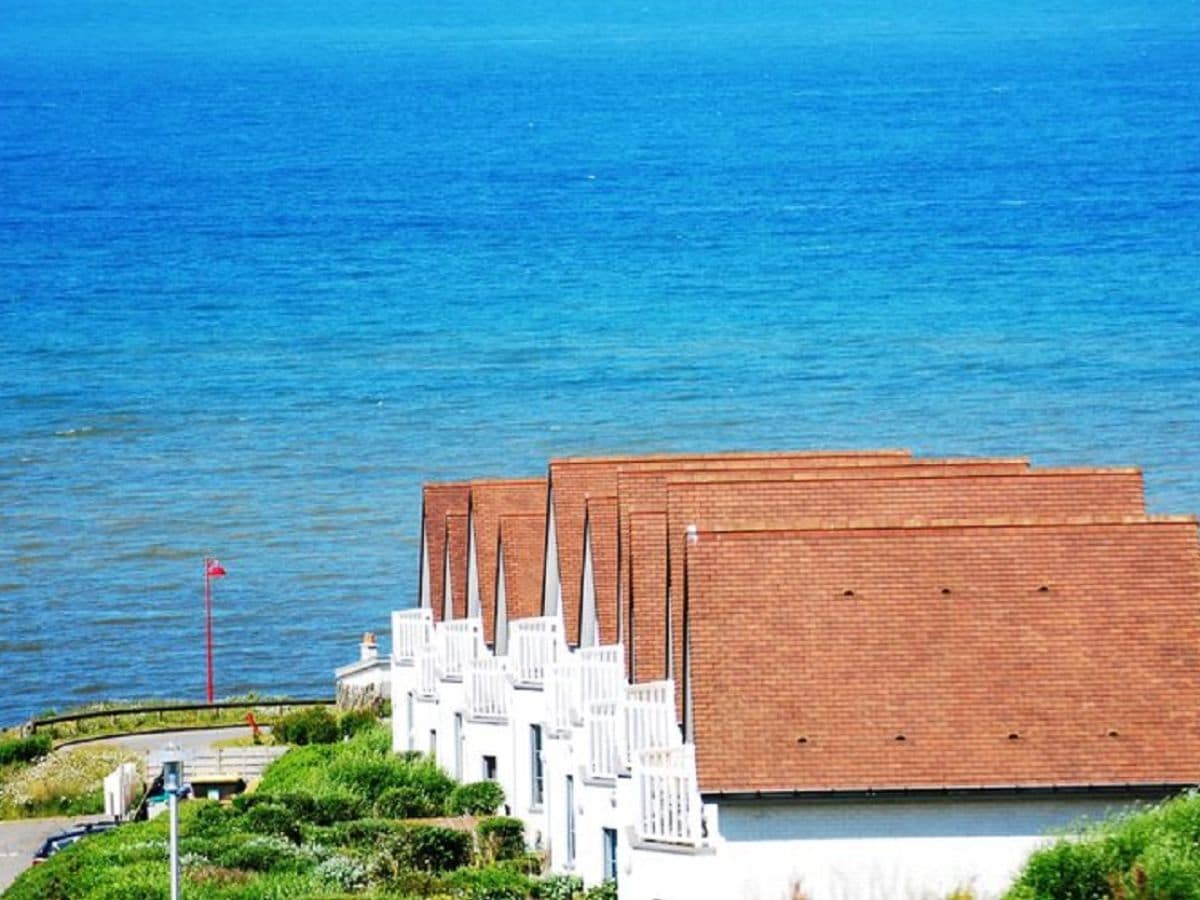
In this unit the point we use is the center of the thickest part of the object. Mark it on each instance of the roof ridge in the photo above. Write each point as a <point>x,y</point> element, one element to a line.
<point>914,523</point>
<point>525,479</point>
<point>732,454</point>
<point>842,473</point>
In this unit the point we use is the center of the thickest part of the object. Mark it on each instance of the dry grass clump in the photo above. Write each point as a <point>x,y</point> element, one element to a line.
<point>69,781</point>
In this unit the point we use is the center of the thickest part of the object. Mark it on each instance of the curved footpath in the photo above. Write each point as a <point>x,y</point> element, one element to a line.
<point>21,838</point>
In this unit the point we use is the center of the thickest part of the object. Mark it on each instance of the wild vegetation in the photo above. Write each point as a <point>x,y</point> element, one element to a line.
<point>129,716</point>
<point>66,782</point>
<point>328,820</point>
<point>1148,854</point>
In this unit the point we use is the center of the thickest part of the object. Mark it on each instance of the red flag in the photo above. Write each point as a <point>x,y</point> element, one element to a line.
<point>214,569</point>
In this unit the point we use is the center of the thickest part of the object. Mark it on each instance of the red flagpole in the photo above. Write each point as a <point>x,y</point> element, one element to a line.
<point>212,569</point>
<point>208,622</point>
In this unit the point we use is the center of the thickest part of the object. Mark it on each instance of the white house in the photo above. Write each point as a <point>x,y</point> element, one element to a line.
<point>894,676</point>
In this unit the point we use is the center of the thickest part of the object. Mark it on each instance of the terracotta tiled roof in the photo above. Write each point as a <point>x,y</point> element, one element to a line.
<point>522,541</point>
<point>938,491</point>
<point>575,479</point>
<point>1027,654</point>
<point>456,547</point>
<point>489,501</point>
<point>648,585</point>
<point>645,489</point>
<point>438,499</point>
<point>602,519</point>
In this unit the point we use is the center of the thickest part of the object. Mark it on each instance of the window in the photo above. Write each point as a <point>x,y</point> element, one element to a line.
<point>433,742</point>
<point>610,854</point>
<point>459,739</point>
<point>536,772</point>
<point>410,709</point>
<point>489,768</point>
<point>570,794</point>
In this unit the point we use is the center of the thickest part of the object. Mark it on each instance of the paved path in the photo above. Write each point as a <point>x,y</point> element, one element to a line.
<point>20,839</point>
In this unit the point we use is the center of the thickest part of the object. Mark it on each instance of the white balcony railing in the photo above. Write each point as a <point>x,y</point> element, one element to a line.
<point>668,799</point>
<point>488,688</point>
<point>427,680</point>
<point>605,726</point>
<point>460,641</point>
<point>602,673</point>
<point>564,703</point>
<point>534,644</point>
<point>650,721</point>
<point>412,630</point>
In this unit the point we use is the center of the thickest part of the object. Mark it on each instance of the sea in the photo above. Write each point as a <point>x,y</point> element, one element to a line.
<point>266,268</point>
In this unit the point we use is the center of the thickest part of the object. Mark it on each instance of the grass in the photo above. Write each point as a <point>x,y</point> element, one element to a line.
<point>146,718</point>
<point>309,831</point>
<point>67,782</point>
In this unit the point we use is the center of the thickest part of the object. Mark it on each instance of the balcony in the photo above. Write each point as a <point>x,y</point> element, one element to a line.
<point>601,673</point>
<point>564,700</point>
<point>460,642</point>
<point>650,720</point>
<point>669,810</point>
<point>535,644</point>
<point>427,680</point>
<point>412,631</point>
<point>488,688</point>
<point>605,726</point>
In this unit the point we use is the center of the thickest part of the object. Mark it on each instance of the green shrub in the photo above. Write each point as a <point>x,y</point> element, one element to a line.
<point>487,884</point>
<point>607,890</point>
<point>273,818</point>
<point>265,853</point>
<point>405,803</point>
<point>356,720</point>
<point>26,749</point>
<point>559,887</point>
<point>1149,853</point>
<point>428,848</point>
<point>480,798</point>
<point>312,725</point>
<point>499,838</point>
<point>342,872</point>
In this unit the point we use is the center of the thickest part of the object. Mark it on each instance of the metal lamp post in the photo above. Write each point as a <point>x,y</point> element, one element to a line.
<point>172,772</point>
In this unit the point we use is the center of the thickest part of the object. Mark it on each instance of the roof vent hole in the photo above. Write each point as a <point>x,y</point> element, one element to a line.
<point>1112,732</point>
<point>946,592</point>
<point>901,737</point>
<point>847,593</point>
<point>801,740</point>
<point>1013,736</point>
<point>1044,589</point>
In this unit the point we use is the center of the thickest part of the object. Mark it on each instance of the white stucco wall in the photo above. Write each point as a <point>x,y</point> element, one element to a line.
<point>760,849</point>
<point>883,850</point>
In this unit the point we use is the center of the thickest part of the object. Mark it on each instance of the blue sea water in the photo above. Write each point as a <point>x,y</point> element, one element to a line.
<point>266,268</point>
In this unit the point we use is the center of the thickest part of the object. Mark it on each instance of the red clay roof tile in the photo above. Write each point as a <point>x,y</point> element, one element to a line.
<point>489,501</point>
<point>522,545</point>
<point>813,651</point>
<point>438,499</point>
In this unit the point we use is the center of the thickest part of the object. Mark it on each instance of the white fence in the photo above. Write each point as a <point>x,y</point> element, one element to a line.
<point>412,630</point>
<point>488,688</point>
<point>602,673</point>
<point>120,790</point>
<point>461,642</point>
<point>650,721</point>
<point>426,663</point>
<point>564,702</point>
<point>606,744</point>
<point>668,798</point>
<point>534,644</point>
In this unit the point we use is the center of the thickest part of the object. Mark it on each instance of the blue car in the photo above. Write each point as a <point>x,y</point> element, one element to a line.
<point>65,838</point>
